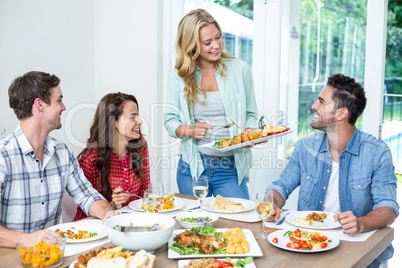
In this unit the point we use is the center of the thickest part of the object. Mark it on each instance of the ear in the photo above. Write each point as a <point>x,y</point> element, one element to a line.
<point>38,105</point>
<point>343,114</point>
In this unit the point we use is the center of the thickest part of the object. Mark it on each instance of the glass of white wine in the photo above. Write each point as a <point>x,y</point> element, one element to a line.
<point>263,205</point>
<point>158,186</point>
<point>152,201</point>
<point>200,188</point>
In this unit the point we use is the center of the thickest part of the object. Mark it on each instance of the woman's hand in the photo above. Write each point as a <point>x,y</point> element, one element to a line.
<point>119,197</point>
<point>199,130</point>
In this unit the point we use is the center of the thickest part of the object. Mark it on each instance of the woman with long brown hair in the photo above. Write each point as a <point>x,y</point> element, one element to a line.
<point>206,86</point>
<point>116,159</point>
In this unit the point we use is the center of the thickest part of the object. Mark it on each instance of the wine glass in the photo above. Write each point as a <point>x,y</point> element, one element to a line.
<point>200,188</point>
<point>152,201</point>
<point>158,186</point>
<point>263,205</point>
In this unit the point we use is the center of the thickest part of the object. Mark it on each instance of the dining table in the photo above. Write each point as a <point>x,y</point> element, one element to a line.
<point>347,254</point>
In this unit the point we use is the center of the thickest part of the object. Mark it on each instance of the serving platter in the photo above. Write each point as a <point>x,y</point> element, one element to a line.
<point>208,202</point>
<point>183,263</point>
<point>327,223</point>
<point>255,250</point>
<point>282,241</point>
<point>75,226</point>
<point>248,143</point>
<point>136,205</point>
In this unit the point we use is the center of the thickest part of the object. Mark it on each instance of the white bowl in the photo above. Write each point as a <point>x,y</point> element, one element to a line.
<point>189,225</point>
<point>148,241</point>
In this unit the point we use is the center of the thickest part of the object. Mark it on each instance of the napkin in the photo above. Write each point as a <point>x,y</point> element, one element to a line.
<point>75,248</point>
<point>328,232</point>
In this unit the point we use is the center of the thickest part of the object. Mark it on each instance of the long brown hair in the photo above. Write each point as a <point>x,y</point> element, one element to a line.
<point>188,47</point>
<point>102,136</point>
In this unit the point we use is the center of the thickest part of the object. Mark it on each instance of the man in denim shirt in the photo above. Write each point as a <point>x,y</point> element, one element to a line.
<point>342,169</point>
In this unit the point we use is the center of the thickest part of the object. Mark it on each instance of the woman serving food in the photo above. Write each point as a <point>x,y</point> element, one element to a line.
<point>205,88</point>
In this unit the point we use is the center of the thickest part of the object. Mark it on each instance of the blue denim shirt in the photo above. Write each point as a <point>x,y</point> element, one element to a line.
<point>367,178</point>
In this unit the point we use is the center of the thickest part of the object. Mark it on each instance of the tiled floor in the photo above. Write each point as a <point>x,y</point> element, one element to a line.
<point>397,243</point>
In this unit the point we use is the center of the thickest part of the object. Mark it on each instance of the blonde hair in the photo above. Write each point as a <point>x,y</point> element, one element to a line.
<point>188,48</point>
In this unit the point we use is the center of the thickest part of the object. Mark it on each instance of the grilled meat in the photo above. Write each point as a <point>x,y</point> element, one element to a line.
<point>207,244</point>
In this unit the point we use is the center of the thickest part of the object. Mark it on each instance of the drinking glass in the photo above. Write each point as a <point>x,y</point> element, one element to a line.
<point>152,201</point>
<point>158,186</point>
<point>263,205</point>
<point>200,188</point>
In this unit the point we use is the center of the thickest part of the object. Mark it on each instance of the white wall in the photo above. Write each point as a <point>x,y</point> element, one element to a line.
<point>94,47</point>
<point>43,36</point>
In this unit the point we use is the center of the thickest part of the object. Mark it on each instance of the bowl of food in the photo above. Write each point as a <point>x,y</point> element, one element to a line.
<point>189,220</point>
<point>47,254</point>
<point>148,239</point>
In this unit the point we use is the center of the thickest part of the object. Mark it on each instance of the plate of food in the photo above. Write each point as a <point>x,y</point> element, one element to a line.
<point>76,232</point>
<point>313,219</point>
<point>207,242</point>
<point>114,257</point>
<point>208,262</point>
<point>169,204</point>
<point>221,204</point>
<point>244,139</point>
<point>302,241</point>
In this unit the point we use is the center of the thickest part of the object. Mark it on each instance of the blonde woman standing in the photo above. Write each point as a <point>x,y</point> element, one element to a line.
<point>206,86</point>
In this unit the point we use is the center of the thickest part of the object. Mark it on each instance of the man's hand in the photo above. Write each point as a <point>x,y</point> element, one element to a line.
<point>199,130</point>
<point>348,221</point>
<point>110,214</point>
<point>119,197</point>
<point>275,214</point>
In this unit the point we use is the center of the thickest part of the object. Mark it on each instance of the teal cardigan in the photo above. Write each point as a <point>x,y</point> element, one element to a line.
<point>237,91</point>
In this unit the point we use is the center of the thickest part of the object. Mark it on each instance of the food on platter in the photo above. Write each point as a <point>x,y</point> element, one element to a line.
<point>304,221</point>
<point>226,203</point>
<point>316,216</point>
<point>237,243</point>
<point>115,257</point>
<point>211,262</point>
<point>305,240</point>
<point>258,133</point>
<point>82,234</point>
<point>270,129</point>
<point>205,240</point>
<point>42,254</point>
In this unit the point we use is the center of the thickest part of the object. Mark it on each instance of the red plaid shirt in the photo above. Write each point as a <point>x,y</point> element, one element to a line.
<point>121,174</point>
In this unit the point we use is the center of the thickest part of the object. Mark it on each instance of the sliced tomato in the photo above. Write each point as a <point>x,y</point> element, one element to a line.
<point>223,263</point>
<point>289,245</point>
<point>297,245</point>
<point>298,233</point>
<point>275,240</point>
<point>304,246</point>
<point>310,246</point>
<point>324,238</point>
<point>313,238</point>
<point>324,245</point>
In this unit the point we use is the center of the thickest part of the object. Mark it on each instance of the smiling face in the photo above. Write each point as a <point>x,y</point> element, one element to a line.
<point>128,124</point>
<point>52,112</point>
<point>324,113</point>
<point>211,43</point>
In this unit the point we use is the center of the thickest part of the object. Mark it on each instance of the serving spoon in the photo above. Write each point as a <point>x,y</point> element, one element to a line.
<point>202,220</point>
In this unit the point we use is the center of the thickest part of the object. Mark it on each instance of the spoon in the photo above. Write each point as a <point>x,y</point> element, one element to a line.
<point>203,220</point>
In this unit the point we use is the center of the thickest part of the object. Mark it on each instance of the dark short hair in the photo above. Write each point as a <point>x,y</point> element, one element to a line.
<point>26,88</point>
<point>348,94</point>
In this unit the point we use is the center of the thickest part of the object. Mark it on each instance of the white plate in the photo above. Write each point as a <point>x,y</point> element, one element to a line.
<point>72,264</point>
<point>208,202</point>
<point>328,223</point>
<point>136,205</point>
<point>255,250</point>
<point>244,144</point>
<point>90,227</point>
<point>183,263</point>
<point>282,241</point>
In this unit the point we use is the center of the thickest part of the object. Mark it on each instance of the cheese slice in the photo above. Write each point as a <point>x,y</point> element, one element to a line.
<point>107,263</point>
<point>304,221</point>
